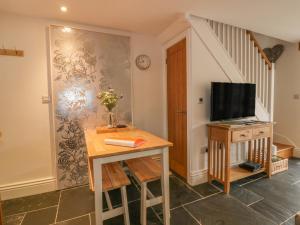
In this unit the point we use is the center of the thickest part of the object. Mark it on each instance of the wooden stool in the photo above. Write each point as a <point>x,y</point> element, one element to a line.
<point>114,177</point>
<point>145,170</point>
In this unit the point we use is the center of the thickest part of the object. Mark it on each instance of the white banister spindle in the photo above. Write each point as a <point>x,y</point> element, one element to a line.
<point>263,82</point>
<point>248,59</point>
<point>233,44</point>
<point>237,46</point>
<point>266,86</point>
<point>223,34</point>
<point>245,54</point>
<point>228,38</point>
<point>272,77</point>
<point>219,30</point>
<point>242,55</point>
<point>257,72</point>
<point>260,78</point>
<point>253,63</point>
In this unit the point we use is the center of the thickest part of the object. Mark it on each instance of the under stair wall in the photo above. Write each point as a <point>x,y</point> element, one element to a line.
<point>241,59</point>
<point>207,60</point>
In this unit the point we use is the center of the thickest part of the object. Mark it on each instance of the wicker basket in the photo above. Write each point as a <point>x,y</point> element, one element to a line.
<point>279,164</point>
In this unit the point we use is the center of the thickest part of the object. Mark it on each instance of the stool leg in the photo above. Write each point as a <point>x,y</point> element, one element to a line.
<point>125,205</point>
<point>108,201</point>
<point>143,203</point>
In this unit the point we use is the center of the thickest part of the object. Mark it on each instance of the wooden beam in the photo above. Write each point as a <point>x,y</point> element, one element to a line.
<point>260,50</point>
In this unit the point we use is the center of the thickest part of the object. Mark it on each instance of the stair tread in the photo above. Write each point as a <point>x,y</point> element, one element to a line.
<point>282,147</point>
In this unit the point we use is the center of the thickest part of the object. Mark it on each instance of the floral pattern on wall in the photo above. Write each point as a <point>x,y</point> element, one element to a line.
<point>82,64</point>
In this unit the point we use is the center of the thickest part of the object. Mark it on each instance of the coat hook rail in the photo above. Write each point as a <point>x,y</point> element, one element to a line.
<point>11,52</point>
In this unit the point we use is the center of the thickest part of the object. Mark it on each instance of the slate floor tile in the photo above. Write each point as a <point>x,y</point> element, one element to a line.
<point>290,221</point>
<point>180,193</point>
<point>29,203</point>
<point>179,216</point>
<point>40,217</point>
<point>278,192</point>
<point>245,196</point>
<point>224,209</point>
<point>272,210</point>
<point>134,214</point>
<point>80,201</point>
<point>14,219</point>
<point>75,202</point>
<point>206,189</point>
<point>84,220</point>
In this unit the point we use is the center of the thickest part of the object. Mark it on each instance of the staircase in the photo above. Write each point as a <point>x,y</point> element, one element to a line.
<point>284,150</point>
<point>247,62</point>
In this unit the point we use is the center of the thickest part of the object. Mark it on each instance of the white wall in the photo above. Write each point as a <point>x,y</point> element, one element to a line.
<point>204,70</point>
<point>287,83</point>
<point>27,164</point>
<point>25,150</point>
<point>148,86</point>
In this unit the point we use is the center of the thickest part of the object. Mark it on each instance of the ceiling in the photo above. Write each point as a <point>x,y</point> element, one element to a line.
<point>280,19</point>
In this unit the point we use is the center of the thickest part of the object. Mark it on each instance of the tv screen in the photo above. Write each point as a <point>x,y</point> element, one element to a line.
<point>232,100</point>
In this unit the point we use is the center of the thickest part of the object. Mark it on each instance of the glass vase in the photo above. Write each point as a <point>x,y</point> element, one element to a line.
<point>111,120</point>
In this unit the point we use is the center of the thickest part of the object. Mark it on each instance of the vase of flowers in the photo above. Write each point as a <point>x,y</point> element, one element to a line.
<point>109,99</point>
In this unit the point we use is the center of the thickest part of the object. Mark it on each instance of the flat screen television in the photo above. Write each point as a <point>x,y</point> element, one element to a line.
<point>232,100</point>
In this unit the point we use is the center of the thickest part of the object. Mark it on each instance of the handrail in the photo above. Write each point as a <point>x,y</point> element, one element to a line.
<point>260,50</point>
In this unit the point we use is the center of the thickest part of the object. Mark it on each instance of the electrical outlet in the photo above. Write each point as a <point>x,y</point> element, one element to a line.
<point>204,149</point>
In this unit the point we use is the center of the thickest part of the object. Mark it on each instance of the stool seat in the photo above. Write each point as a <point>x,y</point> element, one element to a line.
<point>144,169</point>
<point>113,177</point>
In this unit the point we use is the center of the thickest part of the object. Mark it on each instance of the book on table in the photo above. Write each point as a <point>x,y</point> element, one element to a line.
<point>126,142</point>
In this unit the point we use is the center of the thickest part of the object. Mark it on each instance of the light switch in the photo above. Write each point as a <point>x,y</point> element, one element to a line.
<point>46,99</point>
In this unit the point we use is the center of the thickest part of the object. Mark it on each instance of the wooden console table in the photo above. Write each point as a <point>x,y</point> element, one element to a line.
<point>259,139</point>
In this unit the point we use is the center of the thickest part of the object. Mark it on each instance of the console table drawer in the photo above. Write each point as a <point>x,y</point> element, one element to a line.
<point>241,135</point>
<point>261,132</point>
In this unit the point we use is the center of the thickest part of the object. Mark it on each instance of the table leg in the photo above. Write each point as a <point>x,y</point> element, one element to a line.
<point>98,191</point>
<point>165,185</point>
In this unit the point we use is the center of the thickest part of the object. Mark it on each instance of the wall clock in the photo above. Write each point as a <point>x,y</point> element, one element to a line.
<point>143,62</point>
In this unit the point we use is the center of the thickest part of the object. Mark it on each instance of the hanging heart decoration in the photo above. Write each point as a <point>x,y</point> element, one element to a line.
<point>274,53</point>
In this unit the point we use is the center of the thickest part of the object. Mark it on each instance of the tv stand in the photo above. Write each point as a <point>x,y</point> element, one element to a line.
<point>258,137</point>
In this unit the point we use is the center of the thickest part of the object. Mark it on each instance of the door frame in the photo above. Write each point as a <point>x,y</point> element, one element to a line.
<point>184,35</point>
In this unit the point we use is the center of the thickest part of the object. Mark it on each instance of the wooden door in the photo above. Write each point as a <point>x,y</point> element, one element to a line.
<point>177,107</point>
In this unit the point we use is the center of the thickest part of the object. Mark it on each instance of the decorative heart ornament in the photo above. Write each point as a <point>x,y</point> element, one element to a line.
<point>274,53</point>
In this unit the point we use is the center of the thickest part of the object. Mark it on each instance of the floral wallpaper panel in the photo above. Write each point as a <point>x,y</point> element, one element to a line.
<point>82,64</point>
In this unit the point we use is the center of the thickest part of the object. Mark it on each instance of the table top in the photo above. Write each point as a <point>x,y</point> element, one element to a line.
<point>97,149</point>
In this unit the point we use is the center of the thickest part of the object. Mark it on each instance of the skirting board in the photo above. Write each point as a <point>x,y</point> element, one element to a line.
<point>198,177</point>
<point>296,153</point>
<point>32,187</point>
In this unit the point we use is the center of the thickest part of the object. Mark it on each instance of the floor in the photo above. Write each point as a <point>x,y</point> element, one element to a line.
<point>253,201</point>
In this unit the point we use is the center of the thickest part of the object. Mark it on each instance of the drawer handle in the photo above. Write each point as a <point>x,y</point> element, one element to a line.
<point>261,132</point>
<point>242,135</point>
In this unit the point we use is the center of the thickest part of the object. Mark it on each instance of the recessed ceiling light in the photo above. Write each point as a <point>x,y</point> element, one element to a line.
<point>67,29</point>
<point>63,9</point>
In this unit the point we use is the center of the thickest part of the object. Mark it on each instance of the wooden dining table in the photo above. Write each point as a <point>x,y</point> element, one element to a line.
<point>100,153</point>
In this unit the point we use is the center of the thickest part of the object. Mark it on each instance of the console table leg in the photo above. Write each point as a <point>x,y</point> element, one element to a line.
<point>227,188</point>
<point>269,156</point>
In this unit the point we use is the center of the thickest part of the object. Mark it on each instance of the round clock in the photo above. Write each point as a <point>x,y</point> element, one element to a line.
<point>143,62</point>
